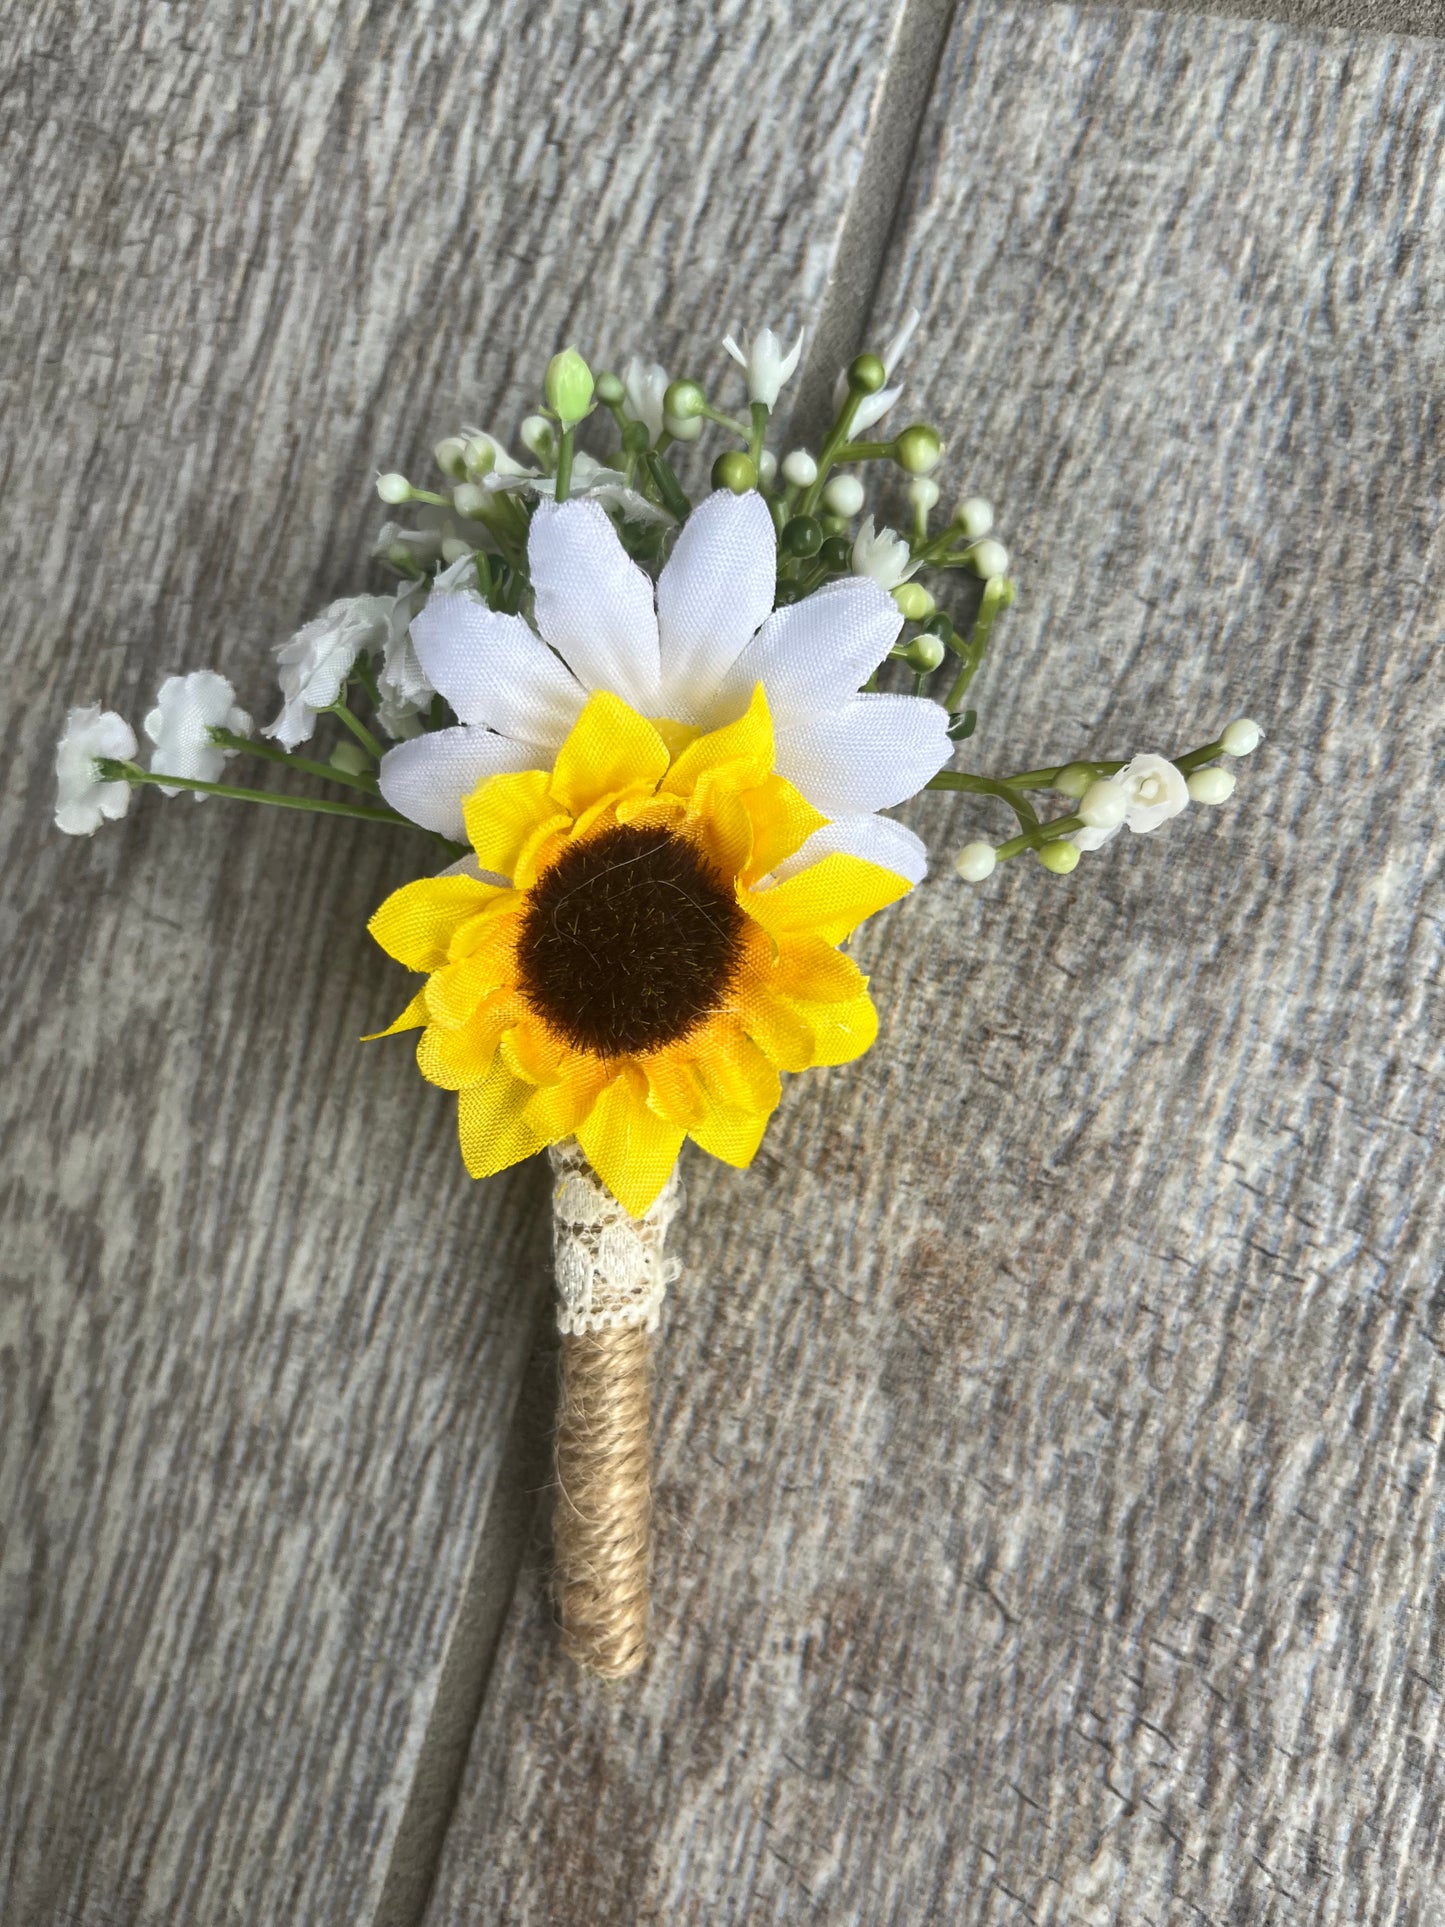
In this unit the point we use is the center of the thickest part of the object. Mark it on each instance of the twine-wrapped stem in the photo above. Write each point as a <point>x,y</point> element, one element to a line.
<point>602,1526</point>
<point>611,1273</point>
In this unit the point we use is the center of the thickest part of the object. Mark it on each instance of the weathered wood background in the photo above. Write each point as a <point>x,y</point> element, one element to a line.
<point>1050,1484</point>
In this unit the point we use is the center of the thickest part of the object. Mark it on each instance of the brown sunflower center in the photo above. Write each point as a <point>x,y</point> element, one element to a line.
<point>628,941</point>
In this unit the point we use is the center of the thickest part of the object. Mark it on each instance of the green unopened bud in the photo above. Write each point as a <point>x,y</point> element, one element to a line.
<point>1074,780</point>
<point>914,601</point>
<point>1060,857</point>
<point>734,470</point>
<point>918,449</point>
<point>481,458</point>
<point>451,457</point>
<point>610,391</point>
<point>393,489</point>
<point>803,536</point>
<point>568,387</point>
<point>866,374</point>
<point>684,401</point>
<point>351,757</point>
<point>536,436</point>
<point>924,653</point>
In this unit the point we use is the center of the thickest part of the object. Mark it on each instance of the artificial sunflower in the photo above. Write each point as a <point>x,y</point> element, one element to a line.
<point>661,944</point>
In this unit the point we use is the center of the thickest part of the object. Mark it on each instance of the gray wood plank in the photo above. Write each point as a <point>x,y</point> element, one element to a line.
<point>1051,1520</point>
<point>260,1342</point>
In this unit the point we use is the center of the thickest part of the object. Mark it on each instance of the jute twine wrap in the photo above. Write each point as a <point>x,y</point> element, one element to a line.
<point>611,1275</point>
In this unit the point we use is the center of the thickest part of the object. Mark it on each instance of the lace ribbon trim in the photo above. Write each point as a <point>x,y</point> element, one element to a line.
<point>611,1268</point>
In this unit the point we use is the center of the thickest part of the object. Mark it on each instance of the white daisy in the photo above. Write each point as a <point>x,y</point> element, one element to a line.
<point>187,709</point>
<point>82,800</point>
<point>691,650</point>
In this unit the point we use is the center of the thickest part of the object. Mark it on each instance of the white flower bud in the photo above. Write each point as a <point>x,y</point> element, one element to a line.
<point>535,435</point>
<point>454,549</point>
<point>800,469</point>
<point>1103,804</point>
<point>451,457</point>
<point>481,456</point>
<point>975,861</point>
<point>1241,737</point>
<point>469,499</point>
<point>844,496</point>
<point>767,468</point>
<point>974,517</point>
<point>683,431</point>
<point>1073,780</point>
<point>1212,785</point>
<point>988,559</point>
<point>394,489</point>
<point>923,494</point>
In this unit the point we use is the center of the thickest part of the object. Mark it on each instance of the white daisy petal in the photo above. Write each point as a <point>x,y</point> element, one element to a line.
<point>493,670</point>
<point>713,592</point>
<point>594,605</point>
<point>870,753</point>
<point>427,778</point>
<point>812,655</point>
<point>877,839</point>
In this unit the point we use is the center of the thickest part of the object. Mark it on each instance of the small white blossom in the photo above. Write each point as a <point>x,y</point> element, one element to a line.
<point>400,679</point>
<point>883,555</point>
<point>975,861</point>
<point>187,709</point>
<point>644,383</point>
<point>589,478</point>
<point>314,664</point>
<point>844,496</point>
<point>1154,790</point>
<point>485,455</point>
<point>1211,785</point>
<point>81,798</point>
<point>398,545</point>
<point>767,363</point>
<point>872,408</point>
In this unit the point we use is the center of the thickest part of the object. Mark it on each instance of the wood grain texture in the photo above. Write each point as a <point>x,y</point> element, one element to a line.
<point>1049,1490</point>
<point>259,1339</point>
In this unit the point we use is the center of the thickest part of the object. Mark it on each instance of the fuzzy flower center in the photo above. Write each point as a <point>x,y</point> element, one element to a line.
<point>628,941</point>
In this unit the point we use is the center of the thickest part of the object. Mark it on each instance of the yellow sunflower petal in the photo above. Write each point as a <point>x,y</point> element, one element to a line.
<point>492,1124</point>
<point>610,749</point>
<point>734,1071</point>
<point>534,1053</point>
<point>778,1027</point>
<point>675,1089</point>
<point>412,1018</point>
<point>724,829</point>
<point>505,814</point>
<point>830,898</point>
<point>559,1110</point>
<point>733,1136</point>
<point>454,992</point>
<point>498,921</point>
<point>783,820</point>
<point>677,736</point>
<point>417,922</point>
<point>841,1032</point>
<point>456,1059</point>
<point>745,747</point>
<point>630,1147</point>
<point>814,972</point>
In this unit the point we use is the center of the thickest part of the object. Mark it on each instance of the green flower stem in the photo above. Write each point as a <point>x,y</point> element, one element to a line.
<point>358,729</point>
<point>1035,839</point>
<point>361,669</point>
<point>303,765</point>
<point>711,414</point>
<point>112,770</point>
<point>828,454</point>
<point>998,594</point>
<point>866,452</point>
<point>564,463</point>
<point>667,485</point>
<point>1047,779</point>
<point>760,432</point>
<point>957,779</point>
